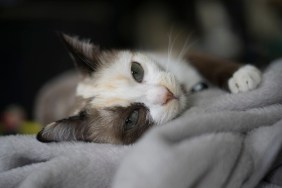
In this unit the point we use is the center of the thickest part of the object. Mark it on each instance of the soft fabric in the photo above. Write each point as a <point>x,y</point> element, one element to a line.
<point>27,163</point>
<point>225,140</point>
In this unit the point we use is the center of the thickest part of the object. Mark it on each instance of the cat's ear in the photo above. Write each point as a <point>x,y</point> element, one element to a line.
<point>72,128</point>
<point>84,53</point>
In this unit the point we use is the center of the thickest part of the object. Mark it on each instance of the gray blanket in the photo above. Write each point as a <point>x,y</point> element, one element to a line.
<point>225,140</point>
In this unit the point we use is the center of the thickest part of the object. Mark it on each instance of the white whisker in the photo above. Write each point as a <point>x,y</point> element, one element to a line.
<point>184,48</point>
<point>170,48</point>
<point>168,51</point>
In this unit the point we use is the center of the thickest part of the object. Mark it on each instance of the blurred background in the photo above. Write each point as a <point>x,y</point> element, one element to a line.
<point>31,53</point>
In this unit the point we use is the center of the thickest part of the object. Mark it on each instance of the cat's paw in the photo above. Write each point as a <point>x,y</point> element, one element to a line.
<point>245,79</point>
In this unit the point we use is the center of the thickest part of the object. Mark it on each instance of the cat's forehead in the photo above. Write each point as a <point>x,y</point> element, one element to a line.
<point>126,57</point>
<point>114,76</point>
<point>120,66</point>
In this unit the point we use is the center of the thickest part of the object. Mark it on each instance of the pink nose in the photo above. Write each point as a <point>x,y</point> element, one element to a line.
<point>168,97</point>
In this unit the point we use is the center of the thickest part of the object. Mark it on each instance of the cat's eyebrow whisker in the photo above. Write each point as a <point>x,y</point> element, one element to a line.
<point>188,44</point>
<point>170,48</point>
<point>168,51</point>
<point>185,48</point>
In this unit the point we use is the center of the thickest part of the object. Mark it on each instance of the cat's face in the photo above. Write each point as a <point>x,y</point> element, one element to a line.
<point>122,94</point>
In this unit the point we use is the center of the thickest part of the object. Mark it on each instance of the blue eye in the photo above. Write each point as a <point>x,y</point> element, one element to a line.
<point>137,71</point>
<point>199,87</point>
<point>131,120</point>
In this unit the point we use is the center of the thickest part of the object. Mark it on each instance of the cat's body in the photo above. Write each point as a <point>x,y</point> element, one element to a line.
<point>124,93</point>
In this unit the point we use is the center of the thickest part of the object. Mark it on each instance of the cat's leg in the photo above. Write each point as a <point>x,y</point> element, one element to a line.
<point>245,79</point>
<point>232,76</point>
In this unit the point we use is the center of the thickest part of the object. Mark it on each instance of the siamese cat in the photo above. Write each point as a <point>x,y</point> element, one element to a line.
<point>123,93</point>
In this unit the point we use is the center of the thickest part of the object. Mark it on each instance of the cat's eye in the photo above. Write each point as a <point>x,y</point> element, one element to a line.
<point>199,87</point>
<point>131,120</point>
<point>137,71</point>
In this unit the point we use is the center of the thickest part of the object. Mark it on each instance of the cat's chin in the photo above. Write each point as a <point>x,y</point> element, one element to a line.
<point>171,110</point>
<point>182,103</point>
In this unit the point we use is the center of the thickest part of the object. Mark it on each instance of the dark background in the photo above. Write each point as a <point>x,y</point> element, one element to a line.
<point>31,52</point>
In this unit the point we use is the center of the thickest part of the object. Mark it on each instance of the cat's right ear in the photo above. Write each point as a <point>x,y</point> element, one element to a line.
<point>84,53</point>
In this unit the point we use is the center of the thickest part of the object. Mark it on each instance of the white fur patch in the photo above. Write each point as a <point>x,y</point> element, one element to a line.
<point>113,85</point>
<point>245,79</point>
<point>85,90</point>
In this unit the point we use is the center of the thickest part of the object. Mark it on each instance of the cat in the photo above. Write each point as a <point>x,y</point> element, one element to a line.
<point>123,93</point>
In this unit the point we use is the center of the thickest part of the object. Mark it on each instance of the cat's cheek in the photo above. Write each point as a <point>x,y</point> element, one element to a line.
<point>184,103</point>
<point>162,114</point>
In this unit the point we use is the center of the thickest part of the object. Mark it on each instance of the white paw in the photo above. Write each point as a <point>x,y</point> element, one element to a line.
<point>245,79</point>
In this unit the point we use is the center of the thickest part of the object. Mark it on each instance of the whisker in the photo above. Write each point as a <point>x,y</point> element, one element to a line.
<point>170,49</point>
<point>184,48</point>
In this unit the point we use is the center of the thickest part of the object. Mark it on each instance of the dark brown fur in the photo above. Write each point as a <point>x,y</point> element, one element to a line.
<point>98,125</point>
<point>215,70</point>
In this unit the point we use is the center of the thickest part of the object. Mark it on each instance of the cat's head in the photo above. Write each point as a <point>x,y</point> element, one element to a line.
<point>121,95</point>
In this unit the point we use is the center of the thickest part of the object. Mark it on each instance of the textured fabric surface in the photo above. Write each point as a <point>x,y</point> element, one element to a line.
<point>25,162</point>
<point>224,140</point>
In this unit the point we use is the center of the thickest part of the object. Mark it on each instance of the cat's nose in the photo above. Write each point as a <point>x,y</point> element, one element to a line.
<point>168,96</point>
<point>159,95</point>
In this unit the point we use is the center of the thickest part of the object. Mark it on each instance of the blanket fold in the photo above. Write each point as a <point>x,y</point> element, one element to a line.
<point>25,162</point>
<point>224,140</point>
<point>240,136</point>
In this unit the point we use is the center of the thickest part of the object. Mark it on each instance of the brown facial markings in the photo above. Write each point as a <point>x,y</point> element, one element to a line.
<point>100,126</point>
<point>110,124</point>
<point>106,125</point>
<point>128,135</point>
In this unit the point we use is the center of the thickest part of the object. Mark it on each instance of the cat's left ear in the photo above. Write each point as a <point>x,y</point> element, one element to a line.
<point>84,53</point>
<point>72,128</point>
